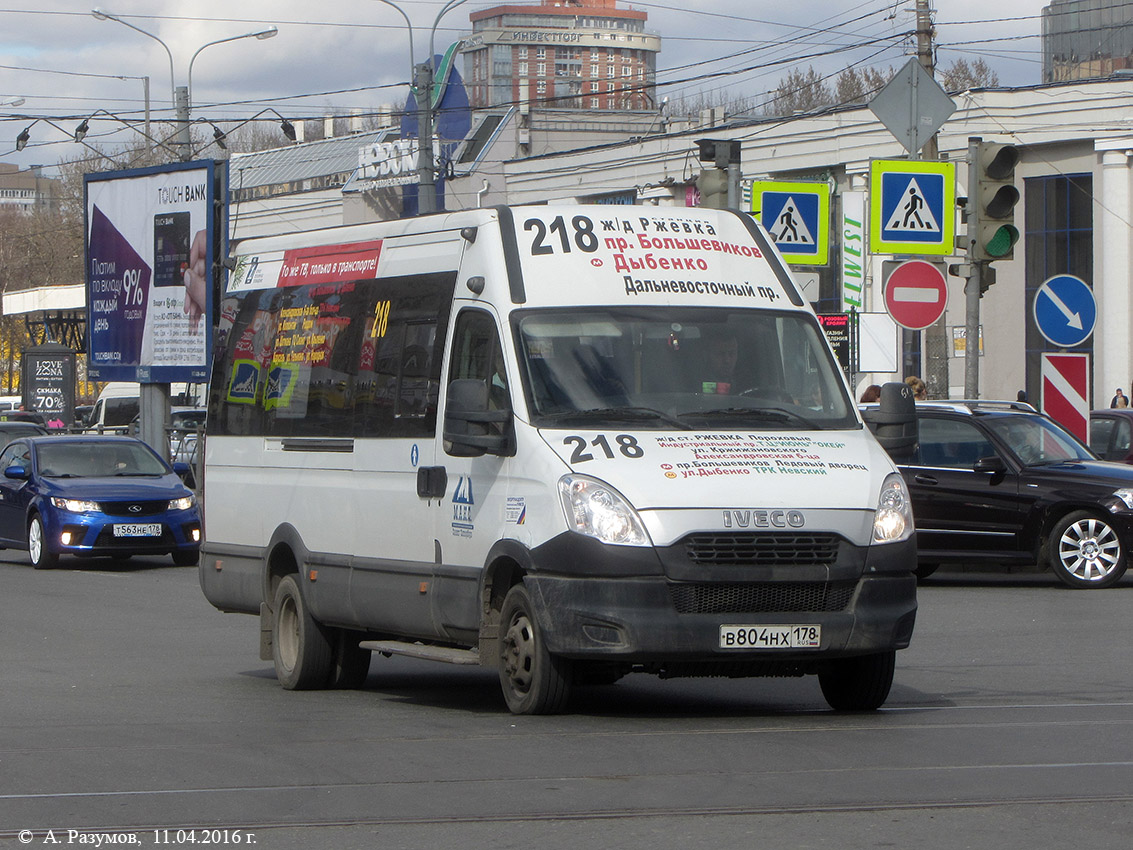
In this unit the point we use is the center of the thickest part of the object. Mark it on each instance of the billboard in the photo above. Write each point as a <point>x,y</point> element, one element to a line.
<point>150,248</point>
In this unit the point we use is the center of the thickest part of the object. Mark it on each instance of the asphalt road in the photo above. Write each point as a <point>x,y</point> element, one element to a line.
<point>131,710</point>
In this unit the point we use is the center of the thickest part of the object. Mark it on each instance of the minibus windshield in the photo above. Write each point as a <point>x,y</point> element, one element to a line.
<point>672,367</point>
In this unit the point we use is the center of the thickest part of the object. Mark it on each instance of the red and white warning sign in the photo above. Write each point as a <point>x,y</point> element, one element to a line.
<point>916,294</point>
<point>1066,392</point>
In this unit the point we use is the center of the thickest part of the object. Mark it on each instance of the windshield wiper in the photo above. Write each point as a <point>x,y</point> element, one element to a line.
<point>775,414</point>
<point>617,413</point>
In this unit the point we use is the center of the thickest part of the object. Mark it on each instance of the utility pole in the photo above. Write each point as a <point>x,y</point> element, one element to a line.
<point>924,55</point>
<point>427,188</point>
<point>973,288</point>
<point>934,353</point>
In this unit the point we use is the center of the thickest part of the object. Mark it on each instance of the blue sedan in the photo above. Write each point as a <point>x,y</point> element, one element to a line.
<point>94,495</point>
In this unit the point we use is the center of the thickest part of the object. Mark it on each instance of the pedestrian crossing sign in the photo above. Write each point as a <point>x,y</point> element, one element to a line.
<point>912,207</point>
<point>797,217</point>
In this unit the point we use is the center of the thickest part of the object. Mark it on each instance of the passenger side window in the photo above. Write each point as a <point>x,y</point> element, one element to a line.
<point>951,444</point>
<point>1101,430</point>
<point>1121,439</point>
<point>12,456</point>
<point>347,359</point>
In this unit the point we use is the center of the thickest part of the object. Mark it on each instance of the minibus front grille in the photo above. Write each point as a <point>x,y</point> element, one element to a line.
<point>760,597</point>
<point>762,549</point>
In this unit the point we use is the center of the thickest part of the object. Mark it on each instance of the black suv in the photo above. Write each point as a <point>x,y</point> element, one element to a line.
<point>997,483</point>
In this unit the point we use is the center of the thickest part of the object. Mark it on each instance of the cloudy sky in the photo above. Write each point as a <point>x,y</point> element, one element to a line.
<point>342,55</point>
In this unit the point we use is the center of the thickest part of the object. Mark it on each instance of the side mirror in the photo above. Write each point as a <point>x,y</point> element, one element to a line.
<point>467,425</point>
<point>181,468</point>
<point>894,421</point>
<point>17,472</point>
<point>994,463</point>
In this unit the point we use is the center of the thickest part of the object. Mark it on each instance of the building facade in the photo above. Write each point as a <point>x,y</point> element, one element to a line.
<point>1086,38</point>
<point>581,54</point>
<point>26,191</point>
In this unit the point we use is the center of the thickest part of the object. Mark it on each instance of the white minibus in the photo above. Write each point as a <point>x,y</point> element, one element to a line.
<point>564,443</point>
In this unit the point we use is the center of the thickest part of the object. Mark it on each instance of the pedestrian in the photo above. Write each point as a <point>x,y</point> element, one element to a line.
<point>1119,399</point>
<point>920,391</point>
<point>871,393</point>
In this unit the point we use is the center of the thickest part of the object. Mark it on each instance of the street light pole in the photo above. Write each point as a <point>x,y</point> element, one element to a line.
<point>261,35</point>
<point>154,397</point>
<point>181,99</point>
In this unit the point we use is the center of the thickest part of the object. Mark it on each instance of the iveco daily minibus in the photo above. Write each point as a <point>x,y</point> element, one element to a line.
<point>565,443</point>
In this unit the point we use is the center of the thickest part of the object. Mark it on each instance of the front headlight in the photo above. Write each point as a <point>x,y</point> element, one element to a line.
<point>894,518</point>
<point>182,504</point>
<point>76,506</point>
<point>1125,495</point>
<point>598,510</point>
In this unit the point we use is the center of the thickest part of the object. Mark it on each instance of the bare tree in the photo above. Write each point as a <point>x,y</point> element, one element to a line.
<point>799,91</point>
<point>689,107</point>
<point>960,76</point>
<point>859,85</point>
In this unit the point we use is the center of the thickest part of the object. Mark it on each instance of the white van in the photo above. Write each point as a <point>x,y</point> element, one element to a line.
<point>566,443</point>
<point>116,406</point>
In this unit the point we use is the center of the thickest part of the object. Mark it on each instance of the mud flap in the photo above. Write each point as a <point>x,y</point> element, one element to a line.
<point>267,621</point>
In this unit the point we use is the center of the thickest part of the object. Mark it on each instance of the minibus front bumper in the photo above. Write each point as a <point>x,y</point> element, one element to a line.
<point>863,604</point>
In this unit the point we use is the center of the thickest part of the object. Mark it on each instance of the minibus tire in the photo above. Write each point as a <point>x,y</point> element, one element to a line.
<point>533,680</point>
<point>303,655</point>
<point>858,684</point>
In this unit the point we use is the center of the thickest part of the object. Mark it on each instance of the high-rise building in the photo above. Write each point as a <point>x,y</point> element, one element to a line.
<point>583,54</point>
<point>1086,38</point>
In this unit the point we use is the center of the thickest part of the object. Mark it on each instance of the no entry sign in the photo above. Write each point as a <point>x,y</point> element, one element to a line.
<point>916,294</point>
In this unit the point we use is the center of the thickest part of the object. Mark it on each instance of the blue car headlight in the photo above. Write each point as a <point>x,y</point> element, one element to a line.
<point>182,504</point>
<point>76,506</point>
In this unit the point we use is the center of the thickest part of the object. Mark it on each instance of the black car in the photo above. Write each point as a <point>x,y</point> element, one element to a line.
<point>14,430</point>
<point>1111,434</point>
<point>999,484</point>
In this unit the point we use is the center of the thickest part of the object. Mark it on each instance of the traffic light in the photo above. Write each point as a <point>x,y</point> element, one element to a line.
<point>991,229</point>
<point>713,186</point>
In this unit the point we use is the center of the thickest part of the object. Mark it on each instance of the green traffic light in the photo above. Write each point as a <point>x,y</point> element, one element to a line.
<point>1002,241</point>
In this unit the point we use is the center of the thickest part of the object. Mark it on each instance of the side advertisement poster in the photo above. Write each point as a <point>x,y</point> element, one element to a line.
<point>149,256</point>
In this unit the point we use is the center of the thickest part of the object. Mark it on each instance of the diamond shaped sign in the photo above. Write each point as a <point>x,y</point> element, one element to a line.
<point>912,106</point>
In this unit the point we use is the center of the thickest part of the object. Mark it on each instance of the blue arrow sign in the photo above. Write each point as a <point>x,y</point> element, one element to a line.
<point>1065,311</point>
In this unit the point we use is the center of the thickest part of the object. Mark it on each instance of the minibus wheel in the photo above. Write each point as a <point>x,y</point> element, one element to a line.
<point>533,680</point>
<point>302,653</point>
<point>858,684</point>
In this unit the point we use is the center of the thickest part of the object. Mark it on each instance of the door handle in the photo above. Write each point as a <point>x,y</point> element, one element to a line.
<point>925,479</point>
<point>431,482</point>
